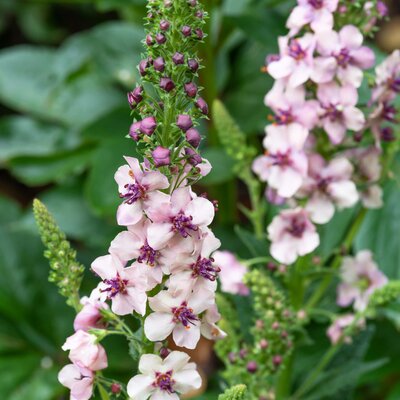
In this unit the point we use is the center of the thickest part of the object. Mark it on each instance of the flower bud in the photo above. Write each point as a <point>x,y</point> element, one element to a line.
<point>161,156</point>
<point>148,126</point>
<point>232,357</point>
<point>159,64</point>
<point>202,105</point>
<point>160,38</point>
<point>135,97</point>
<point>264,344</point>
<point>134,131</point>
<point>143,65</point>
<point>192,3</point>
<point>277,360</point>
<point>178,58</point>
<point>184,122</point>
<point>186,31</point>
<point>115,388</point>
<point>164,25</point>
<point>167,84</point>
<point>164,352</point>
<point>387,134</point>
<point>193,65</point>
<point>252,367</point>
<point>243,353</point>
<point>149,40</point>
<point>193,137</point>
<point>382,8</point>
<point>199,33</point>
<point>193,157</point>
<point>191,89</point>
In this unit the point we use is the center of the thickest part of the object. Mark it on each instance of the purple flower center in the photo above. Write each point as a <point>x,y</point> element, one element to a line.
<point>389,112</point>
<point>296,51</point>
<point>298,226</point>
<point>148,255</point>
<point>204,267</point>
<point>134,192</point>
<point>333,112</point>
<point>281,159</point>
<point>115,286</point>
<point>343,58</point>
<point>322,183</point>
<point>394,84</point>
<point>283,117</point>
<point>184,315</point>
<point>164,382</point>
<point>317,4</point>
<point>183,224</point>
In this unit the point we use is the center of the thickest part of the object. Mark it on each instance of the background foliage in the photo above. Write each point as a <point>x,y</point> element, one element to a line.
<point>64,71</point>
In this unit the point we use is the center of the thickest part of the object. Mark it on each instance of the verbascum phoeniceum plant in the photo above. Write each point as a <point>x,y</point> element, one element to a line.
<point>324,150</point>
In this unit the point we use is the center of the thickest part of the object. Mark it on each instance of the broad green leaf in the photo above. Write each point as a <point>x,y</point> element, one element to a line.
<point>222,164</point>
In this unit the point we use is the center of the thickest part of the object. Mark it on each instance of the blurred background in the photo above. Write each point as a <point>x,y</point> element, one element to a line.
<point>65,68</point>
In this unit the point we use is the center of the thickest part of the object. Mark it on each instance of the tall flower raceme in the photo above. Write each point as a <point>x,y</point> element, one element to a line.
<point>160,269</point>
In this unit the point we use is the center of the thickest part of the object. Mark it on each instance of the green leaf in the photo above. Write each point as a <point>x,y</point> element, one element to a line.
<point>222,164</point>
<point>255,247</point>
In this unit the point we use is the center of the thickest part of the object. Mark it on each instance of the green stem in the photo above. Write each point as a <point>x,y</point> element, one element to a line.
<point>284,379</point>
<point>257,260</point>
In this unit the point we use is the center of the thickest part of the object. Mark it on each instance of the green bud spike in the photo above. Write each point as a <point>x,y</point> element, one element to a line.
<point>65,271</point>
<point>385,295</point>
<point>234,393</point>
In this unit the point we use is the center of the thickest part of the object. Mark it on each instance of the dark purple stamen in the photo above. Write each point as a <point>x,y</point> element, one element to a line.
<point>184,315</point>
<point>296,51</point>
<point>282,159</point>
<point>115,286</point>
<point>332,112</point>
<point>317,4</point>
<point>343,58</point>
<point>148,255</point>
<point>394,84</point>
<point>164,382</point>
<point>283,117</point>
<point>134,192</point>
<point>204,267</point>
<point>389,112</point>
<point>183,224</point>
<point>298,226</point>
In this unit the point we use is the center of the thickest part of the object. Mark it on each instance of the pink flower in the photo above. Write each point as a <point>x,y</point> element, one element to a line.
<point>284,166</point>
<point>338,112</point>
<point>79,380</point>
<point>290,106</point>
<point>328,184</point>
<point>296,60</point>
<point>232,273</point>
<point>85,351</point>
<point>292,235</point>
<point>342,55</point>
<point>335,331</point>
<point>177,312</point>
<point>360,278</point>
<point>90,315</point>
<point>372,197</point>
<point>137,188</point>
<point>184,216</point>
<point>317,13</point>
<point>209,329</point>
<point>125,287</point>
<point>164,379</point>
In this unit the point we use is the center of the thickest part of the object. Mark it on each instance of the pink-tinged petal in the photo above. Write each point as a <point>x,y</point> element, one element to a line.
<point>205,167</point>
<point>350,75</point>
<point>176,360</point>
<point>261,167</point>
<point>79,380</point>
<point>372,197</point>
<point>138,300</point>
<point>286,181</point>
<point>201,300</point>
<point>187,380</point>
<point>284,252</point>
<point>202,211</point>
<point>121,304</point>
<point>354,118</point>
<point>140,387</point>
<point>158,326</point>
<point>155,180</point>
<point>135,167</point>
<point>350,37</point>
<point>106,266</point>
<point>209,245</point>
<point>300,75</point>
<point>163,301</point>
<point>321,209</point>
<point>101,360</point>
<point>282,68</point>
<point>324,69</point>
<point>348,95</point>
<point>363,57</point>
<point>125,246</point>
<point>299,17</point>
<point>340,168</point>
<point>346,294</point>
<point>344,193</point>
<point>188,338</point>
<point>122,177</point>
<point>308,243</point>
<point>329,93</point>
<point>335,130</point>
<point>150,363</point>
<point>308,114</point>
<point>129,214</point>
<point>296,135</point>
<point>328,42</point>
<point>180,198</point>
<point>323,21</point>
<point>159,234</point>
<point>163,395</point>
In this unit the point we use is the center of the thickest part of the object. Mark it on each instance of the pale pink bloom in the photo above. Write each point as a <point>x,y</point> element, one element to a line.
<point>291,107</point>
<point>372,197</point>
<point>232,273</point>
<point>317,13</point>
<point>369,163</point>
<point>89,316</point>
<point>79,380</point>
<point>342,55</point>
<point>360,278</point>
<point>137,187</point>
<point>209,329</point>
<point>335,331</point>
<point>125,287</point>
<point>284,166</point>
<point>177,312</point>
<point>296,60</point>
<point>327,185</point>
<point>292,235</point>
<point>164,379</point>
<point>84,350</point>
<point>184,216</point>
<point>387,84</point>
<point>338,112</point>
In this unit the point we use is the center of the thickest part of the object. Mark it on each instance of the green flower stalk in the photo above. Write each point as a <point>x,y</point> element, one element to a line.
<point>65,271</point>
<point>235,393</point>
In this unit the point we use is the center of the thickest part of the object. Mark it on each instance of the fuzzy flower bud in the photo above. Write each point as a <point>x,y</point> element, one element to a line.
<point>160,38</point>
<point>149,40</point>
<point>191,89</point>
<point>186,31</point>
<point>178,58</point>
<point>164,25</point>
<point>148,126</point>
<point>193,65</point>
<point>193,157</point>
<point>202,105</point>
<point>135,97</point>
<point>161,156</point>
<point>134,131</point>
<point>159,64</point>
<point>199,33</point>
<point>193,137</point>
<point>143,65</point>
<point>184,122</point>
<point>252,367</point>
<point>167,84</point>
